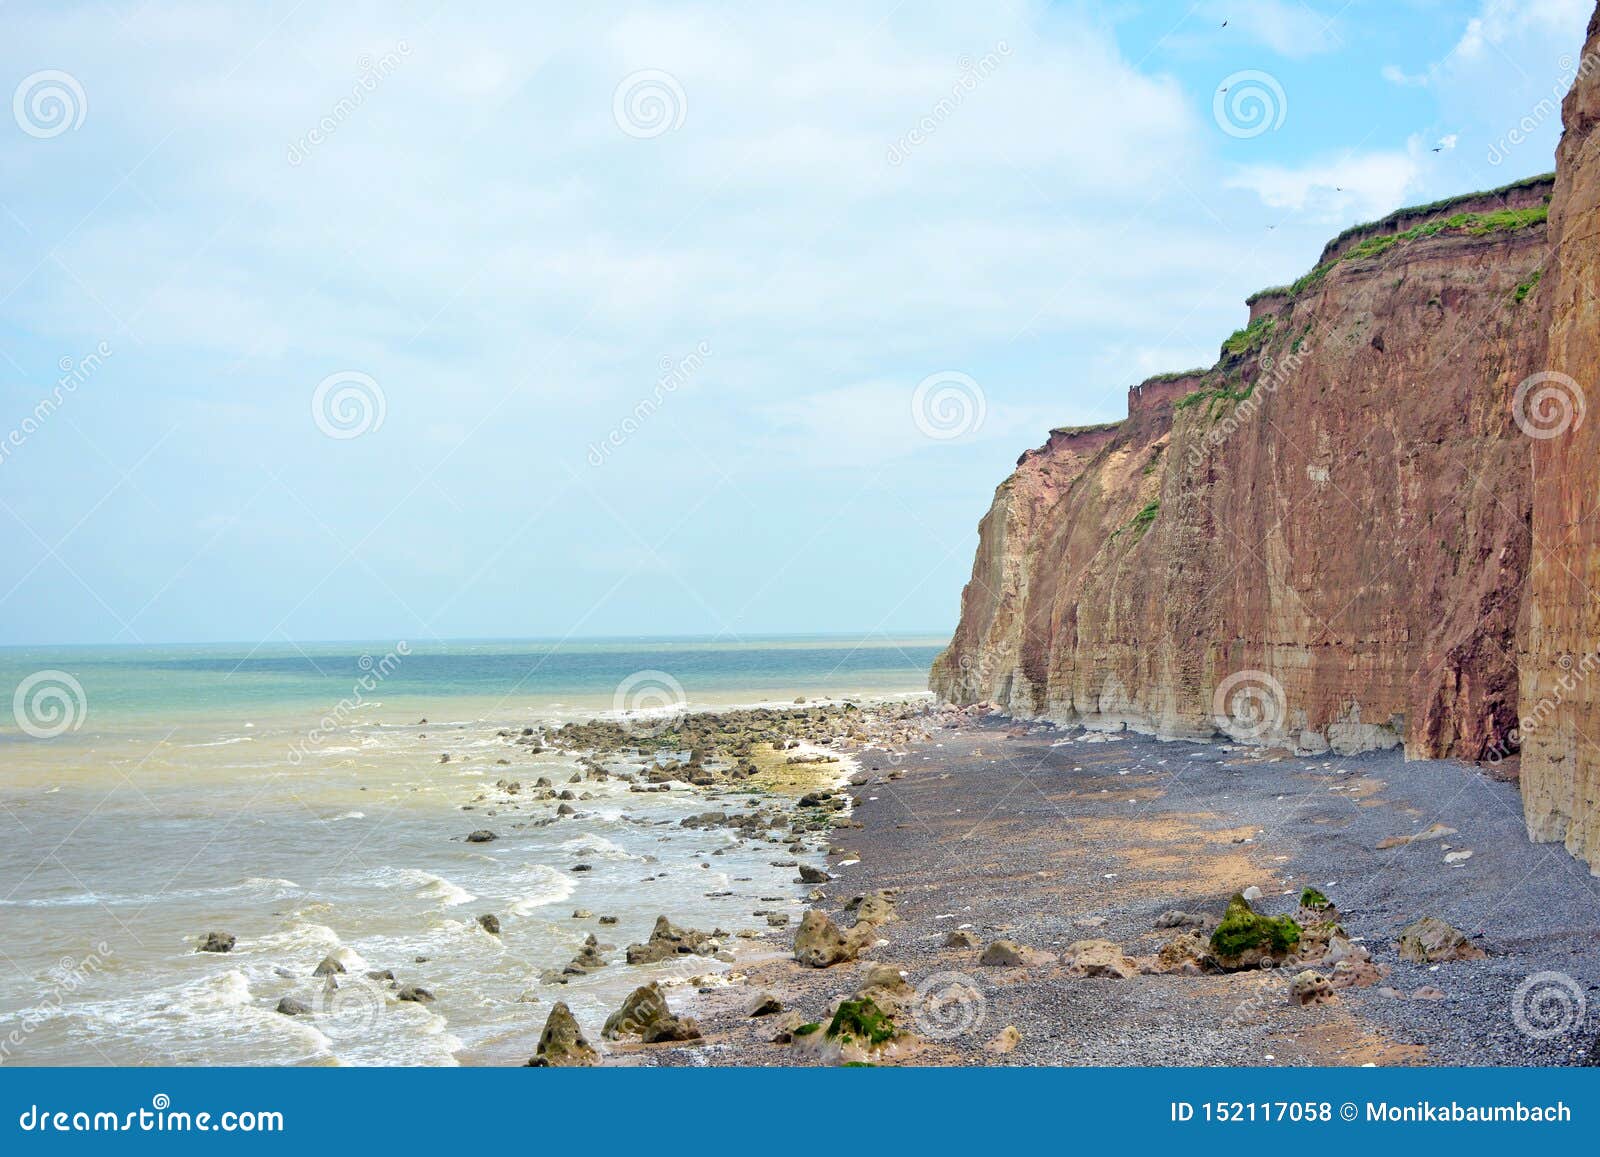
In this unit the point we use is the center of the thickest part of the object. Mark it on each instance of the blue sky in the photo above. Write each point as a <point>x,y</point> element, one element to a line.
<point>479,238</point>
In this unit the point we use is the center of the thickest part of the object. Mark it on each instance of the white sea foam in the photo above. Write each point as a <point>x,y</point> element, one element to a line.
<point>432,887</point>
<point>537,885</point>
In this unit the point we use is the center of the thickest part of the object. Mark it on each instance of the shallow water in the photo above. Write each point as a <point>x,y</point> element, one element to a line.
<point>204,788</point>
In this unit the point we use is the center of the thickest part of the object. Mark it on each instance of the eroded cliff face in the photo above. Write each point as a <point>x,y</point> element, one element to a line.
<point>1560,664</point>
<point>1320,541</point>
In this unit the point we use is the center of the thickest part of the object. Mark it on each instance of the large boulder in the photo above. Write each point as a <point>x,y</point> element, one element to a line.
<point>1187,955</point>
<point>1430,940</point>
<point>818,943</point>
<point>1310,988</point>
<point>873,908</point>
<point>1246,939</point>
<point>645,1014</point>
<point>562,1044</point>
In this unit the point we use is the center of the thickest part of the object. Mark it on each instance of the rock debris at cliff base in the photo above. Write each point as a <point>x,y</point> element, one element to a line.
<point>1050,844</point>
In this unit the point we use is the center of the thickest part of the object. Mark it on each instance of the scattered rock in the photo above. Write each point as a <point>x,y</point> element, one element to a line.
<point>1007,1040</point>
<point>1310,987</point>
<point>960,938</point>
<point>328,967</point>
<point>764,1005</point>
<point>490,923</point>
<point>1188,955</point>
<point>1427,992</point>
<point>588,958</point>
<point>217,942</point>
<point>667,941</point>
<point>819,943</point>
<point>415,994</point>
<point>645,1014</point>
<point>1099,958</point>
<point>562,1044</point>
<point>810,875</point>
<point>1436,832</point>
<point>1430,940</point>
<point>481,836</point>
<point>289,1006</point>
<point>873,908</point>
<point>1010,954</point>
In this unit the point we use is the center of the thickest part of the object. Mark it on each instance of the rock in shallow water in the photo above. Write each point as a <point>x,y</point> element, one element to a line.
<point>562,1044</point>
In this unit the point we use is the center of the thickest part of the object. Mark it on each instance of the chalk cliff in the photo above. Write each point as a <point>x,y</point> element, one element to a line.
<point>1561,657</point>
<point>1319,541</point>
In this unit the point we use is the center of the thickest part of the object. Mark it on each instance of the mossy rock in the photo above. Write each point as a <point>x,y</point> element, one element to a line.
<point>1245,936</point>
<point>861,1020</point>
<point>807,1029</point>
<point>1311,898</point>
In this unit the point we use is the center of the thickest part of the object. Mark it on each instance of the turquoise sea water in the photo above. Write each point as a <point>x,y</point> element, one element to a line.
<point>293,796</point>
<point>155,685</point>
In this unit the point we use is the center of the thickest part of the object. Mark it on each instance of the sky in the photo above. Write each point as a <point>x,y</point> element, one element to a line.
<point>432,321</point>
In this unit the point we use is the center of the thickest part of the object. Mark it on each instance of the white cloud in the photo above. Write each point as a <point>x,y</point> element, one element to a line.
<point>1500,34</point>
<point>1504,21</point>
<point>1336,189</point>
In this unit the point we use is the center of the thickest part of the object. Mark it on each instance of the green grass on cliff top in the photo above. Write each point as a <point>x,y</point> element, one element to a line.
<point>1468,224</point>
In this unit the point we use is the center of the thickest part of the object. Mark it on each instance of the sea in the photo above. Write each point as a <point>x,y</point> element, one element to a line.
<point>297,797</point>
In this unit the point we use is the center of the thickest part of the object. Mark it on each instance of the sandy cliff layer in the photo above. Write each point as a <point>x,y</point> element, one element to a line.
<point>1560,664</point>
<point>1320,541</point>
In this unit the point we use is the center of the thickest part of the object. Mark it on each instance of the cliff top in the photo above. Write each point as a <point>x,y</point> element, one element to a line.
<point>1515,205</point>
